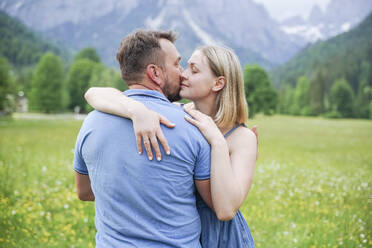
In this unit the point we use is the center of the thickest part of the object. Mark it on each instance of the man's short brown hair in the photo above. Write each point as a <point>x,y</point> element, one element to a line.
<point>140,49</point>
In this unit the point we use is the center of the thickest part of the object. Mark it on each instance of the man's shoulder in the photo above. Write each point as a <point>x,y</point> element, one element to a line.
<point>96,115</point>
<point>164,108</point>
<point>97,119</point>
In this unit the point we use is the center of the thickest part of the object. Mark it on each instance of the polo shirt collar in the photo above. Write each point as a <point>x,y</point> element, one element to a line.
<point>143,92</point>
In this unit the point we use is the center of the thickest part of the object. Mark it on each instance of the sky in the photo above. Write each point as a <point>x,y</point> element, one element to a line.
<point>281,9</point>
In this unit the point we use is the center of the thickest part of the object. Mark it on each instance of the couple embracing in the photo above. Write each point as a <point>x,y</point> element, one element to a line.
<point>187,191</point>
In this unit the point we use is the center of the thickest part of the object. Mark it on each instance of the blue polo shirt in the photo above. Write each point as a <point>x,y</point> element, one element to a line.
<point>142,203</point>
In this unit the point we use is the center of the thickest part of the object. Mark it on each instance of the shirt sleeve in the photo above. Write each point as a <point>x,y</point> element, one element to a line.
<point>79,164</point>
<point>203,163</point>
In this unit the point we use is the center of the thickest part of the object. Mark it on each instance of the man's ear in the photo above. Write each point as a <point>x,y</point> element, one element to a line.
<point>155,74</point>
<point>219,83</point>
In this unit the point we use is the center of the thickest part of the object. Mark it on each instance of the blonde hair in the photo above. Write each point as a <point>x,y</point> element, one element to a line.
<point>232,106</point>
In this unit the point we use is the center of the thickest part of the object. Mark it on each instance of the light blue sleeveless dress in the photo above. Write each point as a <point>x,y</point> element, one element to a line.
<point>234,233</point>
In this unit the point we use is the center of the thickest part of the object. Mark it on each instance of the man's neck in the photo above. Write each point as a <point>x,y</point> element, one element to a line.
<point>145,87</point>
<point>138,86</point>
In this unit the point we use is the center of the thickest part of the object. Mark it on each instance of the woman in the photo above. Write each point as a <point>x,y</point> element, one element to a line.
<point>213,81</point>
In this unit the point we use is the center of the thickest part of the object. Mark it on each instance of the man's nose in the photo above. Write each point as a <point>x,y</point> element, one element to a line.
<point>181,69</point>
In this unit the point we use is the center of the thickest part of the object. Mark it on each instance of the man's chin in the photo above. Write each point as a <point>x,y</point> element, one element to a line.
<point>171,94</point>
<point>174,98</point>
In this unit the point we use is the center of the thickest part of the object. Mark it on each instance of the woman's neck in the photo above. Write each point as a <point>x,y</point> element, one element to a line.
<point>207,106</point>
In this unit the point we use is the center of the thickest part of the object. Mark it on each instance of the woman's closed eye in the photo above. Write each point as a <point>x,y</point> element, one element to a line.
<point>194,70</point>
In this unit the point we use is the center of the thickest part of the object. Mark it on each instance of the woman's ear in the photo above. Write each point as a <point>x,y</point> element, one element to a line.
<point>219,83</point>
<point>155,74</point>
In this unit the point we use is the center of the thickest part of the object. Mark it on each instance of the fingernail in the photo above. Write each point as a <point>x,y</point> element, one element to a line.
<point>158,158</point>
<point>168,152</point>
<point>139,153</point>
<point>150,158</point>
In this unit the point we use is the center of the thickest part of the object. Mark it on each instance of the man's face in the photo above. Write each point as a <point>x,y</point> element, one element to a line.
<point>172,71</point>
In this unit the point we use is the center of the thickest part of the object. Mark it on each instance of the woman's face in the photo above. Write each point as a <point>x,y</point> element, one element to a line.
<point>198,78</point>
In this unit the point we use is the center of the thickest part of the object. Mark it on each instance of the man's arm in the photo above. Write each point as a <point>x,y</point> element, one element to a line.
<point>204,189</point>
<point>83,188</point>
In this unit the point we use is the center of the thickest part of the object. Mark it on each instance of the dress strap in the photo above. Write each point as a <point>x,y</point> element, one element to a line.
<point>232,129</point>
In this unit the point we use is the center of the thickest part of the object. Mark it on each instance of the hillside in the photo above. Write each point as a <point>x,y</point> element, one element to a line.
<point>22,46</point>
<point>331,78</point>
<point>340,56</point>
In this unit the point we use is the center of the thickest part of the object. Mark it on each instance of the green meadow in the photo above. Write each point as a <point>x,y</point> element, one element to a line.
<point>312,184</point>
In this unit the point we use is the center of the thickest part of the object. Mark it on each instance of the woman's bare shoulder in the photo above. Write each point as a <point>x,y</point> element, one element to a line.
<point>243,136</point>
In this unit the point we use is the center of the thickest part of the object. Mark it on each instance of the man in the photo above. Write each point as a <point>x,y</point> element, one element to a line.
<point>141,202</point>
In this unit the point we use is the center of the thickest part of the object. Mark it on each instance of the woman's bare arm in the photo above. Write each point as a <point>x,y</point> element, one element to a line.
<point>146,122</point>
<point>231,174</point>
<point>112,101</point>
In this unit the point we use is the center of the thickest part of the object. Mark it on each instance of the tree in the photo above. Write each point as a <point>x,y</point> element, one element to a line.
<point>103,76</point>
<point>301,97</point>
<point>261,97</point>
<point>341,98</point>
<point>47,84</point>
<point>88,53</point>
<point>79,76</point>
<point>317,94</point>
<point>6,87</point>
<point>282,97</point>
<point>364,95</point>
<point>23,79</point>
<point>286,99</point>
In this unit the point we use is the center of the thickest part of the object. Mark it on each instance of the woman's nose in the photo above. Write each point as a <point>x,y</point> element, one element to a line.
<point>184,76</point>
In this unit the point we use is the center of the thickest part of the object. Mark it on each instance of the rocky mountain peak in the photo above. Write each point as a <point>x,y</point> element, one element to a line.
<point>316,15</point>
<point>339,16</point>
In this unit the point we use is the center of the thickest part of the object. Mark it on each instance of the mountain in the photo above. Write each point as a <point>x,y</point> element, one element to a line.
<point>342,56</point>
<point>242,25</point>
<point>22,46</point>
<point>339,16</point>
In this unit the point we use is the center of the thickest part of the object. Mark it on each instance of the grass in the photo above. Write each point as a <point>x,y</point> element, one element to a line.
<point>312,185</point>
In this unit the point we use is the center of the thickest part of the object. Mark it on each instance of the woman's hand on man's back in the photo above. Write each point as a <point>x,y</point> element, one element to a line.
<point>146,124</point>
